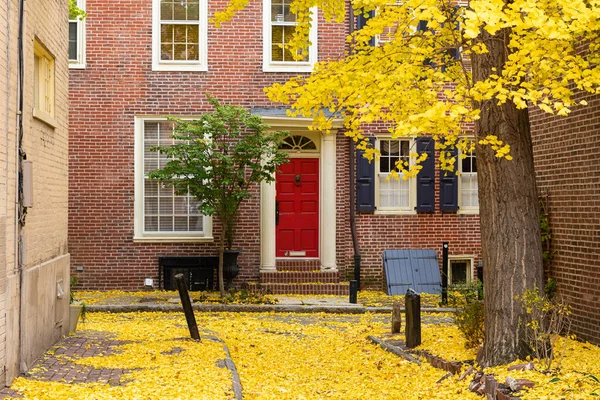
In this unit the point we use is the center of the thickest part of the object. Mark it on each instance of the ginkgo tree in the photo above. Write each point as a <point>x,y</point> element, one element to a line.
<point>440,65</point>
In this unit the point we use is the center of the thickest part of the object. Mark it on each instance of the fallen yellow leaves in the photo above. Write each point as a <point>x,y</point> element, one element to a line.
<point>288,356</point>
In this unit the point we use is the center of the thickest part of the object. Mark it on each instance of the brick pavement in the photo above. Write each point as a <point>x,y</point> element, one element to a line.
<point>57,364</point>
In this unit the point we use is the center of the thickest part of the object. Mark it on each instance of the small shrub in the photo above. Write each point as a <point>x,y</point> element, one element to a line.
<point>547,319</point>
<point>469,314</point>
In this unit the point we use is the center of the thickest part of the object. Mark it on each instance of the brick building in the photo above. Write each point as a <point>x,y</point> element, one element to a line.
<point>133,63</point>
<point>567,154</point>
<point>34,262</point>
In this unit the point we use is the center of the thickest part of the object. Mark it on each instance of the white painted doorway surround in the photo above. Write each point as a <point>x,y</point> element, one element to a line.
<point>327,202</point>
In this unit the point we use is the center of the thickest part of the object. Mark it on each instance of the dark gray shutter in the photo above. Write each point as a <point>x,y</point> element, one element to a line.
<point>361,21</point>
<point>449,186</point>
<point>426,176</point>
<point>365,181</point>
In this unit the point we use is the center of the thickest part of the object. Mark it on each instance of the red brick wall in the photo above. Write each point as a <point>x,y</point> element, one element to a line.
<point>118,84</point>
<point>567,154</point>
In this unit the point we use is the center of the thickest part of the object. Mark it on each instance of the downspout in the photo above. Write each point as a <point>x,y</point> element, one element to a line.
<point>352,185</point>
<point>19,210</point>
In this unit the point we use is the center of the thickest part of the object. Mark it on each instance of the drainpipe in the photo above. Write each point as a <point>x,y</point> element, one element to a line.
<point>19,210</point>
<point>352,187</point>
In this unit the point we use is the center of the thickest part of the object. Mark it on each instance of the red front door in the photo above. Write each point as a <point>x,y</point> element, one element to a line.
<point>297,185</point>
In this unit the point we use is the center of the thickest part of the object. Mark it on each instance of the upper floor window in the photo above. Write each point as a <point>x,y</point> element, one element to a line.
<point>77,39</point>
<point>43,81</point>
<point>179,35</point>
<point>468,187</point>
<point>162,214</point>
<point>279,23</point>
<point>393,194</point>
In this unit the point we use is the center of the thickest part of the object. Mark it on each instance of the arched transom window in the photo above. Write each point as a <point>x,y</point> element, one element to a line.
<point>298,143</point>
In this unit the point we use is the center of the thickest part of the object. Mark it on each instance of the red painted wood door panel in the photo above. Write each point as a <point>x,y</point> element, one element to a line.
<point>297,185</point>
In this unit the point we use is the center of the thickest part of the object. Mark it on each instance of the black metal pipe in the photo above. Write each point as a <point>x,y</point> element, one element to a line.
<point>445,273</point>
<point>352,187</point>
<point>353,292</point>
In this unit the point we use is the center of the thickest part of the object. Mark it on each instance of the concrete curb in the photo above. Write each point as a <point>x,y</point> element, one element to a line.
<point>252,308</point>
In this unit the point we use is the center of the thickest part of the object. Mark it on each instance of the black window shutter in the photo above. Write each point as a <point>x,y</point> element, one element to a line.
<point>449,186</point>
<point>426,176</point>
<point>365,181</point>
<point>361,21</point>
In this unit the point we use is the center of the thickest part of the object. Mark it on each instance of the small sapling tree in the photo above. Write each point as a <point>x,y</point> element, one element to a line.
<point>218,158</point>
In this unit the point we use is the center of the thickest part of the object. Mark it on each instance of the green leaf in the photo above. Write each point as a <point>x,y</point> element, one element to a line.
<point>554,380</point>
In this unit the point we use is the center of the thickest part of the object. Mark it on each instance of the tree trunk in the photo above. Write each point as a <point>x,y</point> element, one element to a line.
<point>509,215</point>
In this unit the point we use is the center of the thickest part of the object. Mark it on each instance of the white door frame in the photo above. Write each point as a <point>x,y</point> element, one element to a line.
<point>327,197</point>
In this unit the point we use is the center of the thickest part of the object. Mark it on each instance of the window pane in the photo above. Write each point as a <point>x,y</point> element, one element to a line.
<point>193,11</point>
<point>150,188</point>
<point>459,272</point>
<point>393,193</point>
<point>165,224</point>
<point>72,40</point>
<point>192,52</point>
<point>166,10</point>
<point>166,34</point>
<point>181,206</point>
<point>151,224</point>
<point>181,224</point>
<point>166,205</point>
<point>151,205</point>
<point>196,224</point>
<point>192,34</point>
<point>180,11</point>
<point>166,52</point>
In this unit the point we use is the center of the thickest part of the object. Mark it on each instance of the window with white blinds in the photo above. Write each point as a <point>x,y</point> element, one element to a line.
<point>160,211</point>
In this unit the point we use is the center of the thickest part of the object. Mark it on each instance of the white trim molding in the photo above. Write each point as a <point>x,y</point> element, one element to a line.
<point>180,65</point>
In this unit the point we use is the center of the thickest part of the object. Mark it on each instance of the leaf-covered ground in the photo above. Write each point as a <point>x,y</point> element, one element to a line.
<point>365,297</point>
<point>283,356</point>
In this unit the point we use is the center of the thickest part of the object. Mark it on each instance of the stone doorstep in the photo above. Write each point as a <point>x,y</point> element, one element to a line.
<point>299,277</point>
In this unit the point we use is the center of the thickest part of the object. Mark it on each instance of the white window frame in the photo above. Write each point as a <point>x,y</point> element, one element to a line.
<point>412,183</point>
<point>44,102</point>
<point>288,66</point>
<point>470,259</point>
<point>180,65</point>
<point>462,209</point>
<point>139,234</point>
<point>79,63</point>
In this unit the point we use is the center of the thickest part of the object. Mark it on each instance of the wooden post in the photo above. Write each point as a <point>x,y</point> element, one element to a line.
<point>412,304</point>
<point>396,318</point>
<point>187,307</point>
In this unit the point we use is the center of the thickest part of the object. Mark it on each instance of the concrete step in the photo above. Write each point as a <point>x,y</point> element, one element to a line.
<point>299,277</point>
<point>339,289</point>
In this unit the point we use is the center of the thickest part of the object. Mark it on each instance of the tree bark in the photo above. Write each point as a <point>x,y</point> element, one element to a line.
<point>509,214</point>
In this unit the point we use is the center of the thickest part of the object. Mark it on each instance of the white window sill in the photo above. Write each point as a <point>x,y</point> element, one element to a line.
<point>76,65</point>
<point>468,211</point>
<point>291,67</point>
<point>395,212</point>
<point>180,67</point>
<point>173,239</point>
<point>45,118</point>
